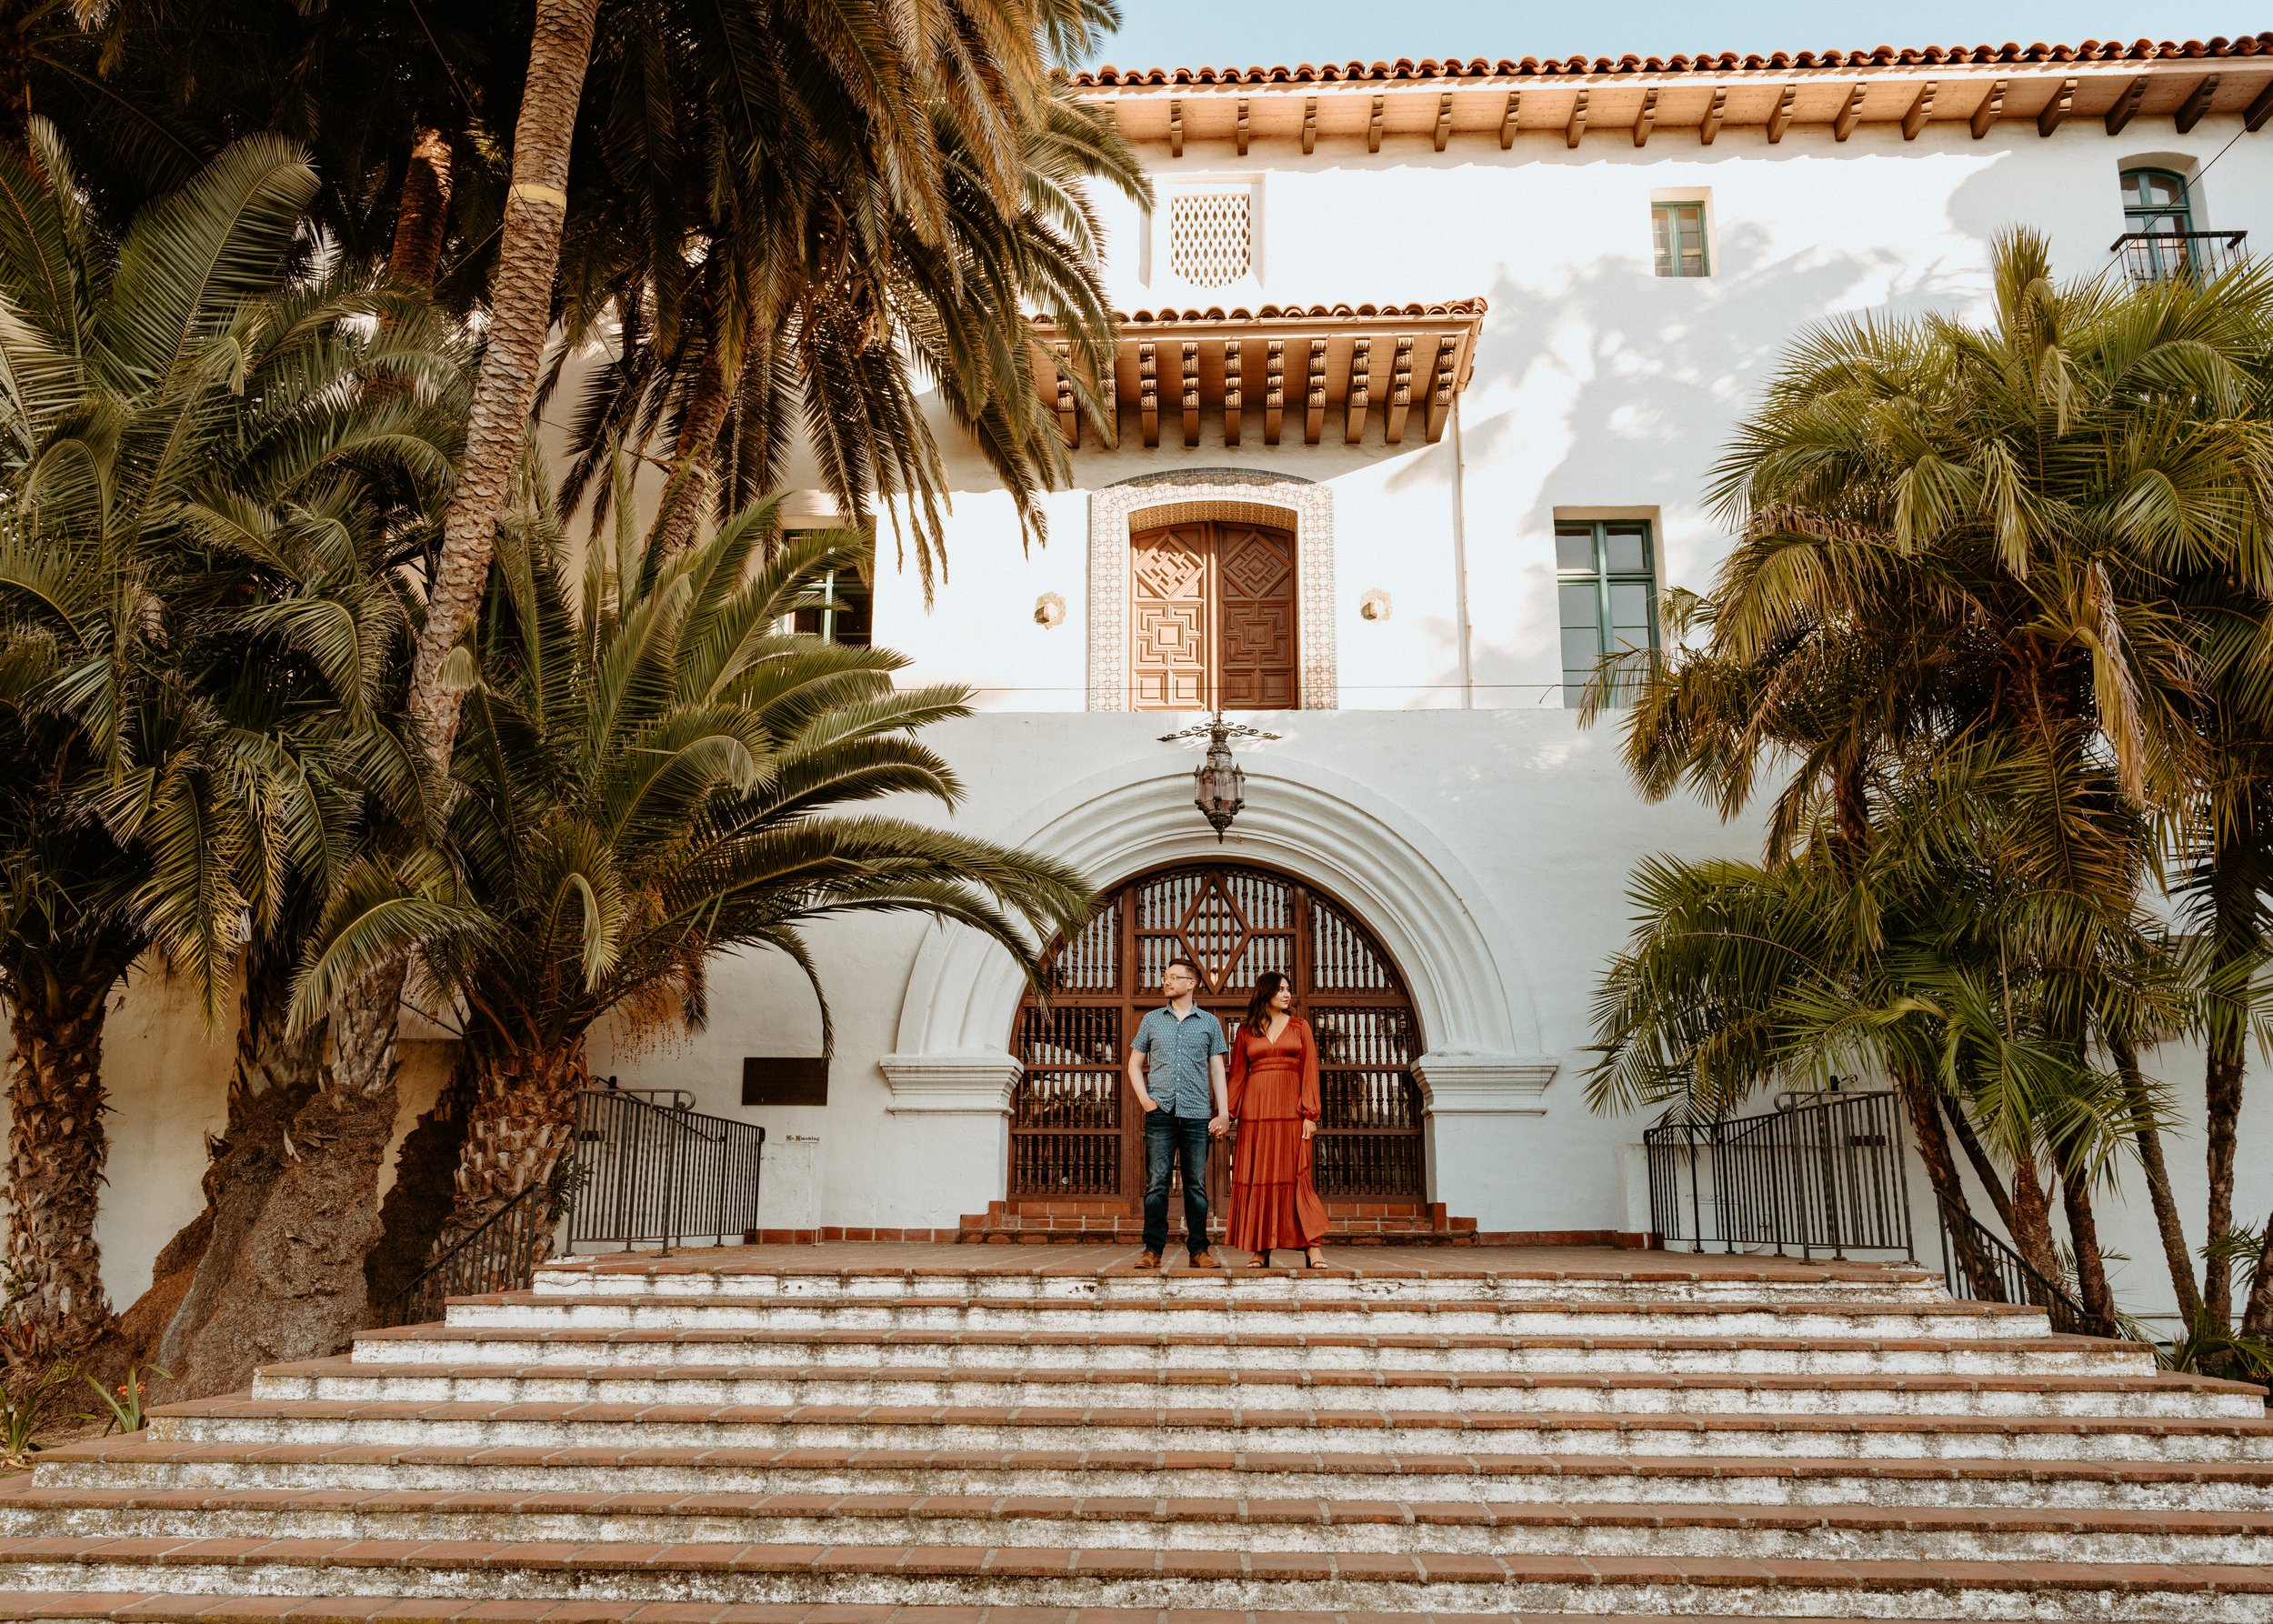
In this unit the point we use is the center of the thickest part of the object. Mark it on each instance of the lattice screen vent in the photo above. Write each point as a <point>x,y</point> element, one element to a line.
<point>1210,240</point>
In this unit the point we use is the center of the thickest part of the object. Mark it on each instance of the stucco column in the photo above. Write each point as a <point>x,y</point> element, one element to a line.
<point>962,1098</point>
<point>1483,1143</point>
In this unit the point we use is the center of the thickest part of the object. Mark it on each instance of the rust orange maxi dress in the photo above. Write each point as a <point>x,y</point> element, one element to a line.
<point>1273,1091</point>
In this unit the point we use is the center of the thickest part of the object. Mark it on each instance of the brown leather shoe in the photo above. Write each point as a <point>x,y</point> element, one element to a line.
<point>1205,1261</point>
<point>1148,1260</point>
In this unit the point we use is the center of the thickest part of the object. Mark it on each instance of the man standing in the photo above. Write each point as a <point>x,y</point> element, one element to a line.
<point>1176,1066</point>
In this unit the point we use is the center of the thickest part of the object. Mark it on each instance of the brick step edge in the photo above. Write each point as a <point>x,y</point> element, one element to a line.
<point>145,1608</point>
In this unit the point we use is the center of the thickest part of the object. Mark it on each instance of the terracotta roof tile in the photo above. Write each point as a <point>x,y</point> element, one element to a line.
<point>1431,69</point>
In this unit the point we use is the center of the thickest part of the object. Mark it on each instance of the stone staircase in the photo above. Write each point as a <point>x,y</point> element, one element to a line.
<point>760,1436</point>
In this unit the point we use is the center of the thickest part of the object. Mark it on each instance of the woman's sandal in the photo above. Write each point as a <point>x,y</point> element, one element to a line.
<point>1316,1263</point>
<point>1260,1260</point>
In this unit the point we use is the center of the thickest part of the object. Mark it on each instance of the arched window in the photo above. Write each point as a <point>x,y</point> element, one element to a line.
<point>1074,1131</point>
<point>2157,201</point>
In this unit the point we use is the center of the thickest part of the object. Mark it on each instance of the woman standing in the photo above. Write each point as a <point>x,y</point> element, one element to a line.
<point>1274,1098</point>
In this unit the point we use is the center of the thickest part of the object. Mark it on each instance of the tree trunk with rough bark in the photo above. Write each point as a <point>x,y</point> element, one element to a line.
<point>1919,1101</point>
<point>2257,1311</point>
<point>275,1075</point>
<point>2032,1219</point>
<point>422,216</point>
<point>523,1117</point>
<point>2168,1224</point>
<point>294,1289</point>
<point>504,389</point>
<point>2091,1267</point>
<point>418,1202</point>
<point>688,490</point>
<point>56,1146</point>
<point>1983,1169</point>
<point>2221,1122</point>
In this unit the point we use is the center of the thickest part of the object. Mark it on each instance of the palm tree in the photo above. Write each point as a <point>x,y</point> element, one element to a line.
<point>172,403</point>
<point>652,772</point>
<point>1961,536</point>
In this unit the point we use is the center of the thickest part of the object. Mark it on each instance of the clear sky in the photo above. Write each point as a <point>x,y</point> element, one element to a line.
<point>1217,32</point>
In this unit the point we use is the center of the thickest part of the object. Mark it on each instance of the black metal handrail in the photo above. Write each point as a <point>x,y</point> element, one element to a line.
<point>1822,1173</point>
<point>653,1172</point>
<point>2161,255</point>
<point>1975,1264</point>
<point>500,1254</point>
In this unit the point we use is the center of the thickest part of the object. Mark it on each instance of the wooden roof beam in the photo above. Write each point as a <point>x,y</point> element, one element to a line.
<point>1358,398</point>
<point>1239,133</point>
<point>2126,106</point>
<point>1447,382</point>
<point>1921,109</point>
<point>1191,392</point>
<point>2259,110</point>
<point>1713,115</point>
<point>1175,127</point>
<point>1780,120</point>
<point>1507,120</point>
<point>1310,125</point>
<point>2057,108</point>
<point>1991,109</point>
<point>1068,413</point>
<point>1148,393</point>
<point>1401,391</point>
<point>1577,124</point>
<point>2198,103</point>
<point>1234,400</point>
<point>1647,117</point>
<point>1373,125</point>
<point>1843,124</point>
<point>1274,388</point>
<point>1314,395</point>
<point>1444,119</point>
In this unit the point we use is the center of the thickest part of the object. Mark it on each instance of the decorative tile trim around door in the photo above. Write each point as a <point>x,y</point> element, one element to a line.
<point>1247,494</point>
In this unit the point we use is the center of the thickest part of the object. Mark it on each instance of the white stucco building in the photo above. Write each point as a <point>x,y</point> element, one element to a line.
<point>1424,372</point>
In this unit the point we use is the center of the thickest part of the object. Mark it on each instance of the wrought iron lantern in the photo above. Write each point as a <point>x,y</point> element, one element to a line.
<point>1219,788</point>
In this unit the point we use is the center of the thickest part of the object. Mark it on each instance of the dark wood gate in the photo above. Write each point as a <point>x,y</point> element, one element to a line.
<point>1075,1131</point>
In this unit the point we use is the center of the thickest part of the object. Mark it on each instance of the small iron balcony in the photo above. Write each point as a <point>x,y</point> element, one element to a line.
<point>2160,255</point>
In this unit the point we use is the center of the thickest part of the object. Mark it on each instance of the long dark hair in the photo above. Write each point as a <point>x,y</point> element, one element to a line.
<point>1258,1016</point>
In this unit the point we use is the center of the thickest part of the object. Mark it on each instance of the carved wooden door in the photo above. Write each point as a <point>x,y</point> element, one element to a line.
<point>1212,618</point>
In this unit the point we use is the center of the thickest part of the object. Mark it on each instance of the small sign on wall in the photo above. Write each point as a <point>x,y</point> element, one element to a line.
<point>784,1079</point>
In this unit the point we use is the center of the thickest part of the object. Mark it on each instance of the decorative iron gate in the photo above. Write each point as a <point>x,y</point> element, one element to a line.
<point>1075,1132</point>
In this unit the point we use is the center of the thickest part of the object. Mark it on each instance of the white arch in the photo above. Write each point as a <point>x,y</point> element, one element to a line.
<point>1414,894</point>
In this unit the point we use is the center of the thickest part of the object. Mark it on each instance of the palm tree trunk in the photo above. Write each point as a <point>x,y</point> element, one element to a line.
<point>422,218</point>
<point>2257,1314</point>
<point>2221,1107</point>
<point>688,493</point>
<point>56,1146</point>
<point>1919,1099</point>
<point>1983,1169</point>
<point>504,389</point>
<point>523,1118</point>
<point>2091,1267</point>
<point>2032,1219</point>
<point>2168,1224</point>
<point>294,1289</point>
<point>275,1075</point>
<point>417,1203</point>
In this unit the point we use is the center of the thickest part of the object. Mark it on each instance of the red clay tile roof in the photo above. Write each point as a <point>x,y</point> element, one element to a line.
<point>1406,70</point>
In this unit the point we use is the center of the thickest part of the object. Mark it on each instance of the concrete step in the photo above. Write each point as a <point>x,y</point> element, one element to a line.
<point>1782,1533</point>
<point>694,1275</point>
<point>984,1576</point>
<point>1149,1346</point>
<point>1230,1311</point>
<point>345,1380</point>
<point>1224,1428</point>
<point>142,1462</point>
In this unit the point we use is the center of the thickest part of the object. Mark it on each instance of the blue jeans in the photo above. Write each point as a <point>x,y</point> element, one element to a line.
<point>1166,1137</point>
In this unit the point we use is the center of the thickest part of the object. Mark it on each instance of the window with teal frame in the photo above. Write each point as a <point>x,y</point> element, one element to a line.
<point>1677,230</point>
<point>1606,584</point>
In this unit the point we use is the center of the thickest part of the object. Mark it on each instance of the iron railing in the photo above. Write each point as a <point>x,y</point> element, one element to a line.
<point>661,1172</point>
<point>635,1171</point>
<point>1975,1264</point>
<point>500,1255</point>
<point>2163,255</point>
<point>1821,1173</point>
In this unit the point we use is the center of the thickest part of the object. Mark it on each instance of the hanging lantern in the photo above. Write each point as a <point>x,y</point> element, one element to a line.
<point>1219,787</point>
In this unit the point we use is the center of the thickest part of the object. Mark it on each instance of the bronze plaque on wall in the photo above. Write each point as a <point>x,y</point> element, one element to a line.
<point>784,1079</point>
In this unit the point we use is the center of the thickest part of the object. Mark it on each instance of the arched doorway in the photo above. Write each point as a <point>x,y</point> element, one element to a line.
<point>1074,1131</point>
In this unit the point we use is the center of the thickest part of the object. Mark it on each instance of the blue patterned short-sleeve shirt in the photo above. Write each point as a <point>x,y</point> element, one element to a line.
<point>1178,1050</point>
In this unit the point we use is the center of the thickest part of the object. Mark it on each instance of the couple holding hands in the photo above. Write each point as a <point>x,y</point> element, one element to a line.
<point>1176,1065</point>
